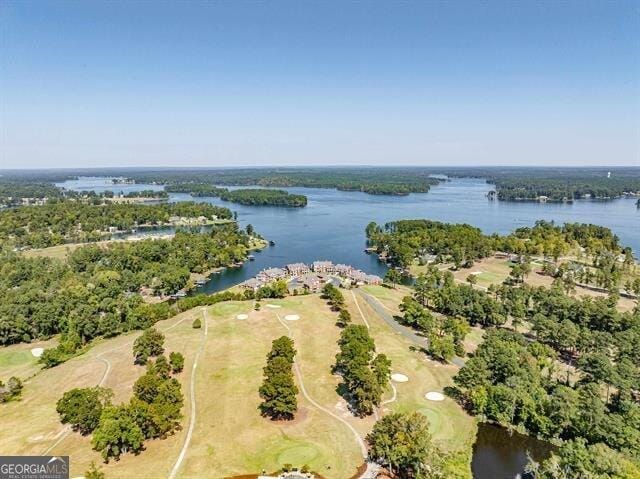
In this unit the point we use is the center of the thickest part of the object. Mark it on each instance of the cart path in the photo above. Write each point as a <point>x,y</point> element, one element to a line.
<point>359,439</point>
<point>192,397</point>
<point>355,300</point>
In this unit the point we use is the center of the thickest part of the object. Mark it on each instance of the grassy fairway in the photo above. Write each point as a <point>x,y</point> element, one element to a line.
<point>31,426</point>
<point>452,428</point>
<point>495,270</point>
<point>230,437</point>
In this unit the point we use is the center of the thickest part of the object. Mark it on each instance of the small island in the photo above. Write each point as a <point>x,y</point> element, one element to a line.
<point>246,196</point>
<point>264,197</point>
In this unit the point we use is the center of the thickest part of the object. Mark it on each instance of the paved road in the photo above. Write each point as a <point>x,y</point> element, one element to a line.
<point>380,310</point>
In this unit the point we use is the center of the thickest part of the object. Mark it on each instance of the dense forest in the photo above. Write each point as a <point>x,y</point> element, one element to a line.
<point>12,192</point>
<point>60,222</point>
<point>402,242</point>
<point>512,183</point>
<point>556,183</point>
<point>571,376</point>
<point>558,189</point>
<point>96,292</point>
<point>381,181</point>
<point>249,196</point>
<point>563,368</point>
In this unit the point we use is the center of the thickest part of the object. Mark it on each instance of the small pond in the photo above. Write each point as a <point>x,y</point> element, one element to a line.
<point>500,454</point>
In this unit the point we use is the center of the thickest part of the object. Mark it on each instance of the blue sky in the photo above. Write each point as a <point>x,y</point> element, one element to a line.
<point>319,83</point>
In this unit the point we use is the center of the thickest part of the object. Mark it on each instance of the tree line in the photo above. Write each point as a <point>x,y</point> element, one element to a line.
<point>335,299</point>
<point>60,222</point>
<point>365,374</point>
<point>514,378</point>
<point>278,390</point>
<point>564,189</point>
<point>405,241</point>
<point>249,196</point>
<point>97,291</point>
<point>381,181</point>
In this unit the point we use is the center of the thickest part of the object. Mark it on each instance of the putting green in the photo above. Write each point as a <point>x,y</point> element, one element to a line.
<point>16,358</point>
<point>299,455</point>
<point>435,419</point>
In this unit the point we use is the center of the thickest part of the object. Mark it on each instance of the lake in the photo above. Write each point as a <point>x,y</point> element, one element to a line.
<point>332,227</point>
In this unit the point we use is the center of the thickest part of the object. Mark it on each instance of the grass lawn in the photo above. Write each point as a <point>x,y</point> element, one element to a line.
<point>452,428</point>
<point>17,360</point>
<point>230,436</point>
<point>62,251</point>
<point>58,252</point>
<point>496,270</point>
<point>389,297</point>
<point>31,426</point>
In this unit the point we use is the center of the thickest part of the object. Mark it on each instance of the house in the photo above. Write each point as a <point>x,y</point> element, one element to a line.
<point>271,274</point>
<point>343,269</point>
<point>251,283</point>
<point>427,258</point>
<point>311,282</point>
<point>297,269</point>
<point>323,267</point>
<point>357,276</point>
<point>372,279</point>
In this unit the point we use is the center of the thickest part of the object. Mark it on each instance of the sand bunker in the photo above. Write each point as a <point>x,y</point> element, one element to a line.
<point>37,352</point>
<point>399,378</point>
<point>273,306</point>
<point>242,316</point>
<point>292,317</point>
<point>434,396</point>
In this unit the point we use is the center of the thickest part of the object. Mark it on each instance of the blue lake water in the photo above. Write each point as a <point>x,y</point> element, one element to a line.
<point>332,227</point>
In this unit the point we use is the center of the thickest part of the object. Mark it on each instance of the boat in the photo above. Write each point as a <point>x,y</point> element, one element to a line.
<point>272,243</point>
<point>201,282</point>
<point>251,257</point>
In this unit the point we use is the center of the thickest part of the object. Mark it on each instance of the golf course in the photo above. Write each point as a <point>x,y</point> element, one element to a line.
<point>222,430</point>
